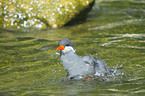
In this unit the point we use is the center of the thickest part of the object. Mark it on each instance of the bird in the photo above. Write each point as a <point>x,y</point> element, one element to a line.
<point>79,67</point>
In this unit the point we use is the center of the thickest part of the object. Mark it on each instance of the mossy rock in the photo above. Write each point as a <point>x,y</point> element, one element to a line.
<point>44,13</point>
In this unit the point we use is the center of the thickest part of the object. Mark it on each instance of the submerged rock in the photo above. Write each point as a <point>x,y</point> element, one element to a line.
<point>43,13</point>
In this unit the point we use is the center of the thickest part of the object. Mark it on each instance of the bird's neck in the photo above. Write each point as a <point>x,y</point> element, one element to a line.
<point>70,54</point>
<point>68,59</point>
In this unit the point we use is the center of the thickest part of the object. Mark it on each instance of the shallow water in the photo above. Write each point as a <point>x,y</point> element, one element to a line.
<point>113,32</point>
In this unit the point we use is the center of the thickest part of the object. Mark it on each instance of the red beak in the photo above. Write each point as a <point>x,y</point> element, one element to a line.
<point>61,47</point>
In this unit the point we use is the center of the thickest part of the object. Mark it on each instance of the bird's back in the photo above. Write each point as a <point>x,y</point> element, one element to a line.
<point>75,65</point>
<point>101,69</point>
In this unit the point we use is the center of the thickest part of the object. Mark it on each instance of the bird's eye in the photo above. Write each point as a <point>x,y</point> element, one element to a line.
<point>67,45</point>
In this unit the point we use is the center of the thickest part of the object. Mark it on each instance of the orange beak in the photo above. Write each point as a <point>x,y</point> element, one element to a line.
<point>61,47</point>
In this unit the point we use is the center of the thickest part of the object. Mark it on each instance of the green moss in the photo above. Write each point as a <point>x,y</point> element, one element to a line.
<point>43,13</point>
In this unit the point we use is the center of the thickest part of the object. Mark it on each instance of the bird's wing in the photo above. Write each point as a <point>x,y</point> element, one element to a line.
<point>100,67</point>
<point>88,60</point>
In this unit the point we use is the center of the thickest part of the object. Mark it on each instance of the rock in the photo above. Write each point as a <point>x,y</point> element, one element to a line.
<point>43,13</point>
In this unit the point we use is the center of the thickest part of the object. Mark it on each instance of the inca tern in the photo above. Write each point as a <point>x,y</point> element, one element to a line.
<point>78,67</point>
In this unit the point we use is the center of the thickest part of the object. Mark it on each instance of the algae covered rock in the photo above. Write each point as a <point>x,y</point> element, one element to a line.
<point>43,13</point>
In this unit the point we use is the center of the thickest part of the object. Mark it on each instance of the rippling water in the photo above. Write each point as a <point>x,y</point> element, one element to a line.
<point>113,32</point>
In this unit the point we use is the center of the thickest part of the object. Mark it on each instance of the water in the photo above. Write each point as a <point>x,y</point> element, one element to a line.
<point>113,32</point>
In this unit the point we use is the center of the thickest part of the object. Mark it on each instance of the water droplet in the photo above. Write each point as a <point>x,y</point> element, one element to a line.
<point>30,9</point>
<point>5,7</point>
<point>66,9</point>
<point>54,26</point>
<point>5,19</point>
<point>70,3</point>
<point>22,5</point>
<point>31,3</point>
<point>58,9</point>
<point>17,5</point>
<point>52,20</point>
<point>35,19</point>
<point>14,1</point>
<point>36,1</point>
<point>73,7</point>
<point>57,53</point>
<point>24,16</point>
<point>121,65</point>
<point>34,14</point>
<point>25,23</point>
<point>6,16</point>
<point>12,22</point>
<point>5,12</point>
<point>60,12</point>
<point>60,5</point>
<point>29,15</point>
<point>126,34</point>
<point>18,27</point>
<point>15,16</point>
<point>52,14</point>
<point>38,25</point>
<point>87,2</point>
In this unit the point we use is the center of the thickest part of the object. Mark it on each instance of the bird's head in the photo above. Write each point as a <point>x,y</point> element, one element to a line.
<point>65,45</point>
<point>65,42</point>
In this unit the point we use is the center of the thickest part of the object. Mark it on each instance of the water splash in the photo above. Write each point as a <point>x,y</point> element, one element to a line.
<point>115,75</point>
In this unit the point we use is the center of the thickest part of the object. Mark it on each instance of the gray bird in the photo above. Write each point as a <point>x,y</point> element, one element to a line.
<point>78,67</point>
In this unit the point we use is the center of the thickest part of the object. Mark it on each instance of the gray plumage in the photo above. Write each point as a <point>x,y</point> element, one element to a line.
<point>78,67</point>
